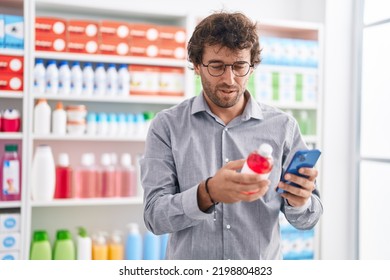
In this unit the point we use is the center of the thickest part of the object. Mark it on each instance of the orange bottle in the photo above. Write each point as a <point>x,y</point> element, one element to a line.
<point>115,248</point>
<point>100,247</point>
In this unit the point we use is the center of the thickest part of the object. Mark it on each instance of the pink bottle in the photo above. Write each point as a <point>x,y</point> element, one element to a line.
<point>63,187</point>
<point>259,162</point>
<point>128,176</point>
<point>108,176</point>
<point>10,173</point>
<point>85,178</point>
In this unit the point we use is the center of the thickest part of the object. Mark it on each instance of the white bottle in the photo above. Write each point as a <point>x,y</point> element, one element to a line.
<point>112,124</point>
<point>39,77</point>
<point>64,78</point>
<point>88,79</point>
<point>102,124</point>
<point>259,161</point>
<point>76,79</point>
<point>42,118</point>
<point>112,80</point>
<point>84,245</point>
<point>122,125</point>
<point>43,174</point>
<point>91,124</point>
<point>59,120</point>
<point>52,77</point>
<point>100,80</point>
<point>123,80</point>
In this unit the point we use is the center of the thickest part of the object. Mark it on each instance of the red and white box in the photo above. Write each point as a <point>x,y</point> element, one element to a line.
<point>172,42</point>
<point>86,28</point>
<point>11,81</point>
<point>144,40</point>
<point>52,26</point>
<point>171,81</point>
<point>144,80</point>
<point>11,64</point>
<point>50,43</point>
<point>116,30</point>
<point>82,44</point>
<point>114,47</point>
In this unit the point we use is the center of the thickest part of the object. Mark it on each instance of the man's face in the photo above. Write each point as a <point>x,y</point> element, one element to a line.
<point>226,90</point>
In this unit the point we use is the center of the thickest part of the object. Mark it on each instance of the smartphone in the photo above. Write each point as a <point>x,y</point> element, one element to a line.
<point>302,158</point>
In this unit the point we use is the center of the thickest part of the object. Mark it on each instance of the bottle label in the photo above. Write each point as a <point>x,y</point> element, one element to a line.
<point>11,177</point>
<point>247,170</point>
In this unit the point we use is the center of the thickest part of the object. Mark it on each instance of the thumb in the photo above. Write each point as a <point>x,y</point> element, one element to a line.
<point>235,164</point>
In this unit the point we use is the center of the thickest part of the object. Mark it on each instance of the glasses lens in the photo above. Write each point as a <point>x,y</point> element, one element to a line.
<point>216,68</point>
<point>240,68</point>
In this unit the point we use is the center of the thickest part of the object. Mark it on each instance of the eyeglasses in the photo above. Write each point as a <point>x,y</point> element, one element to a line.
<point>239,68</point>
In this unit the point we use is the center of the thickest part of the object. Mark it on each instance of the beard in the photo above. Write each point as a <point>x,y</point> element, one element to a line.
<point>222,95</point>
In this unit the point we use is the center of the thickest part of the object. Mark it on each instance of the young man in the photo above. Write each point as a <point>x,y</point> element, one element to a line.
<point>194,153</point>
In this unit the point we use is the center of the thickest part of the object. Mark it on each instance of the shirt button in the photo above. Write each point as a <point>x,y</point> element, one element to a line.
<point>228,226</point>
<point>226,160</point>
<point>226,129</point>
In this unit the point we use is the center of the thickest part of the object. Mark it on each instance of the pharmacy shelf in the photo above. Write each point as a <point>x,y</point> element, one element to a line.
<point>10,204</point>
<point>12,52</point>
<point>136,99</point>
<point>88,202</point>
<point>11,135</point>
<point>89,138</point>
<point>111,59</point>
<point>11,94</point>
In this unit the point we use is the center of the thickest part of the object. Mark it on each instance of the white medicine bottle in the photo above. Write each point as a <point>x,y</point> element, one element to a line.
<point>42,117</point>
<point>76,79</point>
<point>52,76</point>
<point>259,161</point>
<point>39,77</point>
<point>88,79</point>
<point>64,78</point>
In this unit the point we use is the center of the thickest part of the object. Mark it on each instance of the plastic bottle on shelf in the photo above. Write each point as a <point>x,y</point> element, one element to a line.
<point>64,247</point>
<point>64,78</point>
<point>151,246</point>
<point>102,124</point>
<point>128,176</point>
<point>131,124</point>
<point>123,80</point>
<point>88,79</point>
<point>108,176</point>
<point>99,246</point>
<point>84,245</point>
<point>112,124</point>
<point>122,124</point>
<point>42,117</point>
<point>10,173</point>
<point>39,77</point>
<point>76,79</point>
<point>115,246</point>
<point>59,120</point>
<point>112,80</point>
<point>86,183</point>
<point>52,77</point>
<point>63,186</point>
<point>43,174</point>
<point>40,248</point>
<point>133,250</point>
<point>259,161</point>
<point>91,124</point>
<point>100,80</point>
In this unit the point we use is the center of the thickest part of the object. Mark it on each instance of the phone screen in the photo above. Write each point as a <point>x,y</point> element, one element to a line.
<point>302,158</point>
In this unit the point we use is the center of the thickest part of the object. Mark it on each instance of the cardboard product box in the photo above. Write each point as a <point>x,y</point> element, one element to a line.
<point>148,32</point>
<point>9,241</point>
<point>116,30</point>
<point>13,82</point>
<point>14,32</point>
<point>9,255</point>
<point>114,46</point>
<point>2,35</point>
<point>171,81</point>
<point>144,80</point>
<point>9,222</point>
<point>83,28</point>
<point>143,47</point>
<point>50,43</point>
<point>172,42</point>
<point>51,26</point>
<point>82,44</point>
<point>11,64</point>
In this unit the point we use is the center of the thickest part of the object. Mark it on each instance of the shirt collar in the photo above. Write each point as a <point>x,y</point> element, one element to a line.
<point>252,108</point>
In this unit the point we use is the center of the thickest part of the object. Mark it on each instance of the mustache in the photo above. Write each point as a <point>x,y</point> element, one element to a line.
<point>226,87</point>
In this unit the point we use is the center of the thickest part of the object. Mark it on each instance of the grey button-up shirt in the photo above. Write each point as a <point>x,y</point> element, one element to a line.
<point>188,143</point>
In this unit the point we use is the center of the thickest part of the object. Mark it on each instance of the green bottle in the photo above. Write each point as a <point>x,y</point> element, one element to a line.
<point>64,248</point>
<point>40,246</point>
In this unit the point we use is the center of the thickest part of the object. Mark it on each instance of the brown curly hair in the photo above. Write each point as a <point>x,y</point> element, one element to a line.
<point>232,30</point>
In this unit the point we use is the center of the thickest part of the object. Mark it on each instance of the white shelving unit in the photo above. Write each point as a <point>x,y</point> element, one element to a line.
<point>105,214</point>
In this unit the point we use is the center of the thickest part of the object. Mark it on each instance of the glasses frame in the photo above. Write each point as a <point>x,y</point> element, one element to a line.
<point>228,64</point>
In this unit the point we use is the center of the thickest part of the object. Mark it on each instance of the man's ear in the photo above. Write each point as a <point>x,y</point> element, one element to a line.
<point>197,69</point>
